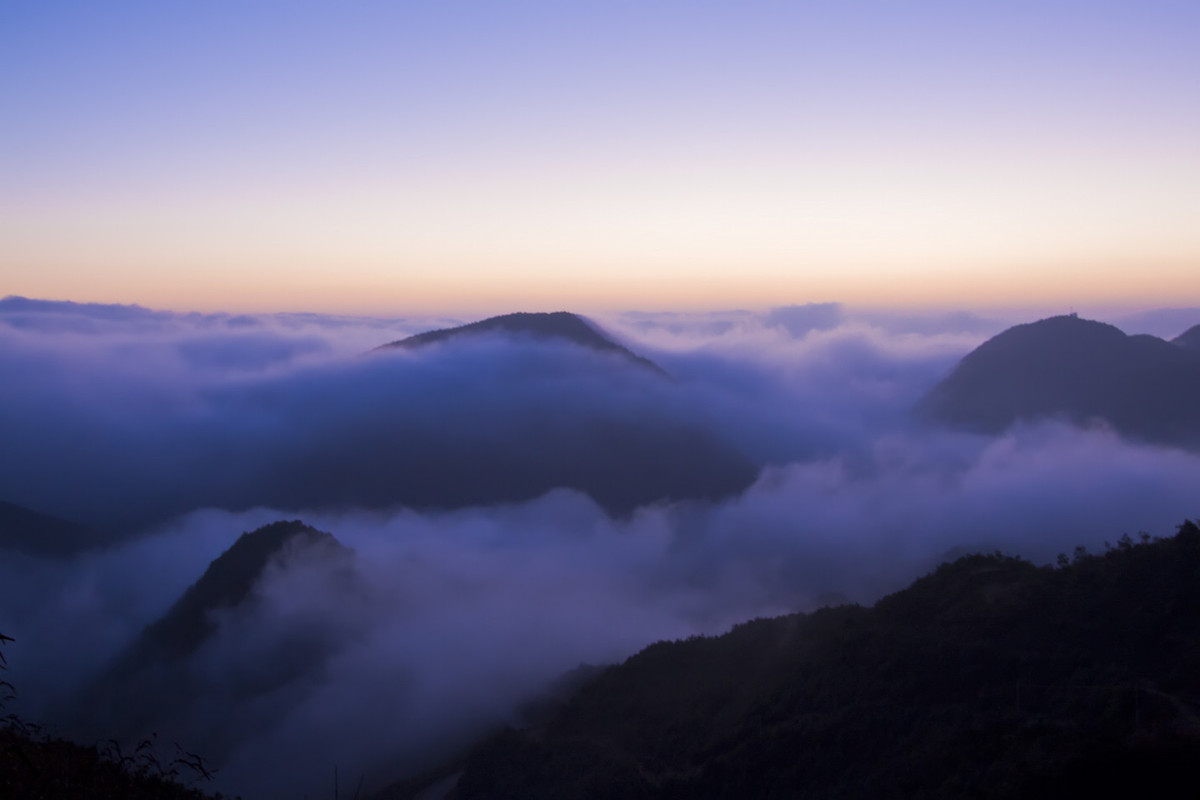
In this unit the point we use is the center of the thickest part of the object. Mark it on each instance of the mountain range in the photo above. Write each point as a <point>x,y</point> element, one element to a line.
<point>989,677</point>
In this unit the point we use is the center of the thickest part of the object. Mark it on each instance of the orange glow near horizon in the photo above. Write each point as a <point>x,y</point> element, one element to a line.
<point>679,247</point>
<point>945,157</point>
<point>1113,284</point>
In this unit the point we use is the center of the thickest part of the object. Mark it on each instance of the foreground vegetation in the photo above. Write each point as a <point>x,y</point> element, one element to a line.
<point>990,677</point>
<point>36,766</point>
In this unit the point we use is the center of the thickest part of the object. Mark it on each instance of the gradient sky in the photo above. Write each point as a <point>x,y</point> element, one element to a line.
<point>448,156</point>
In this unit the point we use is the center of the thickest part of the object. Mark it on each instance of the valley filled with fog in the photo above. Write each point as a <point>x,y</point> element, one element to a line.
<point>469,589</point>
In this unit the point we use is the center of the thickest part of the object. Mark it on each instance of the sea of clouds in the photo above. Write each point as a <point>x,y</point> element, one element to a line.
<point>163,430</point>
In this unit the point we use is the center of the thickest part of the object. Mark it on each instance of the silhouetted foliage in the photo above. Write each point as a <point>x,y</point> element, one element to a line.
<point>36,766</point>
<point>6,688</point>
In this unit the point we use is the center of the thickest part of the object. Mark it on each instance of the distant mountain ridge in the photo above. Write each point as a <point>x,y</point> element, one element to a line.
<point>28,531</point>
<point>562,325</point>
<point>1078,370</point>
<point>1189,339</point>
<point>621,460</point>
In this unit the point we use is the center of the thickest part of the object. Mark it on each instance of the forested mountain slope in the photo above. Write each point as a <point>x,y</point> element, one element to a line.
<point>990,677</point>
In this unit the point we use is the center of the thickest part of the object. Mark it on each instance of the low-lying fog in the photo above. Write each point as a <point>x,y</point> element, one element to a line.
<point>120,417</point>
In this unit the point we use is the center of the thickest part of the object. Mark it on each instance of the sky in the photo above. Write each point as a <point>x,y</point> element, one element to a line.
<point>437,157</point>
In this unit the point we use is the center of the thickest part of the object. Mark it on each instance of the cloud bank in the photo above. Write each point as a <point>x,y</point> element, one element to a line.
<point>455,618</point>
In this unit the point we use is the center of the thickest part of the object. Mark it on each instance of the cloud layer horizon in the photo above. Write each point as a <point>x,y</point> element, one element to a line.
<point>473,610</point>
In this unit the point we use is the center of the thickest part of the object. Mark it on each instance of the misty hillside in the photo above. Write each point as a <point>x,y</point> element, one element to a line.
<point>989,677</point>
<point>157,680</point>
<point>621,461</point>
<point>28,531</point>
<point>558,325</point>
<point>227,584</point>
<point>1189,339</point>
<point>499,412</point>
<point>1078,370</point>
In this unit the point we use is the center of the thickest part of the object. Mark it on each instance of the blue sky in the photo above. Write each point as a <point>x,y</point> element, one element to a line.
<point>443,156</point>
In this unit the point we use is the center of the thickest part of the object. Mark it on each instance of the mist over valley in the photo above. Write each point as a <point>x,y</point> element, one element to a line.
<point>279,541</point>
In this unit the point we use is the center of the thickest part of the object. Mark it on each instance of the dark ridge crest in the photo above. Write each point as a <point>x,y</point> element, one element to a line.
<point>561,325</point>
<point>1076,370</point>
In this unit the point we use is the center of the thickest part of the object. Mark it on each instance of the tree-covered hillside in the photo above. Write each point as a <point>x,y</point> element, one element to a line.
<point>989,677</point>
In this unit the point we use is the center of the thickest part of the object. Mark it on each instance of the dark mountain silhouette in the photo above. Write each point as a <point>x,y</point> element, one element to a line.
<point>621,459</point>
<point>1189,339</point>
<point>561,325</point>
<point>28,531</point>
<point>152,684</point>
<point>989,678</point>
<point>1160,322</point>
<point>1077,370</point>
<point>445,433</point>
<point>226,584</point>
<point>589,416</point>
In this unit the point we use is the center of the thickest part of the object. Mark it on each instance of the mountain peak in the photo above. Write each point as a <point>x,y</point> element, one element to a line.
<point>154,679</point>
<point>1064,325</point>
<point>227,582</point>
<point>561,325</point>
<point>1189,339</point>
<point>1075,369</point>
